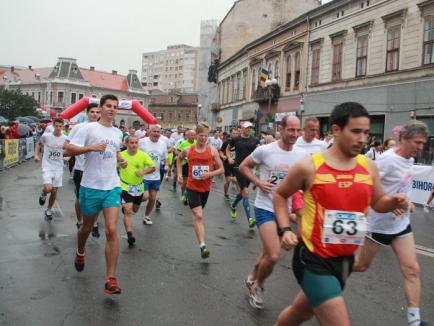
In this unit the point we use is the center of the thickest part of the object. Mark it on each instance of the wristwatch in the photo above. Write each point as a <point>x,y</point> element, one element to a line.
<point>281,231</point>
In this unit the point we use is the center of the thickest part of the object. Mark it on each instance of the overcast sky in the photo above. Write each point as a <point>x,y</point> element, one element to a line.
<point>107,34</point>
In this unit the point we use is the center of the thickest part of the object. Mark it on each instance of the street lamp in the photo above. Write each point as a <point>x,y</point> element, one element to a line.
<point>198,111</point>
<point>270,83</point>
<point>301,108</point>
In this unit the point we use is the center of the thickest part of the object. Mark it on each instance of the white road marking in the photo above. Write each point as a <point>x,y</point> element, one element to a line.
<point>425,251</point>
<point>58,208</point>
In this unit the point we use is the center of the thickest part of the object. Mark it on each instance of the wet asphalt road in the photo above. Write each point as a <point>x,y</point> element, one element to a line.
<point>163,278</point>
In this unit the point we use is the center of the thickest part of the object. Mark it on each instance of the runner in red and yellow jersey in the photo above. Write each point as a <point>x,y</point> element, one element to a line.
<point>204,163</point>
<point>339,185</point>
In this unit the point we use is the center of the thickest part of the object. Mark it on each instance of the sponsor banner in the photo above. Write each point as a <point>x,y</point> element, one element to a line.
<point>30,144</point>
<point>2,153</point>
<point>423,180</point>
<point>12,152</point>
<point>23,149</point>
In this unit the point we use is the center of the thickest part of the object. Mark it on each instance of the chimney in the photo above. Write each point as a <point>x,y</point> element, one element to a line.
<point>30,67</point>
<point>114,72</point>
<point>38,76</point>
<point>12,68</point>
<point>92,68</point>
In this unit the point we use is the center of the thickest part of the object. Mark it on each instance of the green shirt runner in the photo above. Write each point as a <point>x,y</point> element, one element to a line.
<point>137,162</point>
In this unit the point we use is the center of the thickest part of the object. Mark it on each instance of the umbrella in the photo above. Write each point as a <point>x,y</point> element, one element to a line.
<point>3,120</point>
<point>24,130</point>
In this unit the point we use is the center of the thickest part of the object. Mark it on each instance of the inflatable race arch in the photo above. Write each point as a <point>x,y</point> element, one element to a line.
<point>133,105</point>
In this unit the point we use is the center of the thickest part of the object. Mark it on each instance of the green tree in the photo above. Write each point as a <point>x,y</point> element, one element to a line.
<point>14,104</point>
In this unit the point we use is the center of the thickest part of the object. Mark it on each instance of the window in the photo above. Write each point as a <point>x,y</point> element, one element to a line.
<point>179,116</point>
<point>80,96</point>
<point>337,61</point>
<point>253,82</point>
<point>170,116</point>
<point>392,56</point>
<point>288,73</point>
<point>162,116</point>
<point>155,84</point>
<point>297,71</point>
<point>314,78</point>
<point>243,90</point>
<point>428,41</point>
<point>276,70</point>
<point>187,116</point>
<point>39,97</point>
<point>73,98</point>
<point>362,55</point>
<point>60,97</point>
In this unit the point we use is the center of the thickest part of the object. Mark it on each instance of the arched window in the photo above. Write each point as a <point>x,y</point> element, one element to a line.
<point>276,70</point>
<point>270,70</point>
<point>297,71</point>
<point>288,73</point>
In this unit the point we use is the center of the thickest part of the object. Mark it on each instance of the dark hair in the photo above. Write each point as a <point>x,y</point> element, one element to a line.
<point>342,112</point>
<point>58,120</point>
<point>387,141</point>
<point>376,143</point>
<point>106,97</point>
<point>91,106</point>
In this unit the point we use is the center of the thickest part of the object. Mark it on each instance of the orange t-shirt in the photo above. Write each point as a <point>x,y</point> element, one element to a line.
<point>199,162</point>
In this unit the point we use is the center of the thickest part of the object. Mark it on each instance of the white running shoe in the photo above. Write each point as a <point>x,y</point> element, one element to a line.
<point>147,220</point>
<point>48,214</point>
<point>426,208</point>
<point>256,299</point>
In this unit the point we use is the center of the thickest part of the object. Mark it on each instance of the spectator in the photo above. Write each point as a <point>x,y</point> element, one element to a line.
<point>375,150</point>
<point>12,132</point>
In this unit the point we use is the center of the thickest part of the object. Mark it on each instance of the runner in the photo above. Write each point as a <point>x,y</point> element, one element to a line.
<point>339,186</point>
<point>100,186</point>
<point>308,140</point>
<point>243,145</point>
<point>176,138</point>
<point>164,166</point>
<point>274,160</point>
<point>203,164</point>
<point>188,142</point>
<point>156,148</point>
<point>52,165</point>
<point>395,167</point>
<point>138,164</point>
<point>93,114</point>
<point>427,207</point>
<point>229,171</point>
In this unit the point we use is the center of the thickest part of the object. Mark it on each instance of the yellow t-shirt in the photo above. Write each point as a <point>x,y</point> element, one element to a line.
<point>128,175</point>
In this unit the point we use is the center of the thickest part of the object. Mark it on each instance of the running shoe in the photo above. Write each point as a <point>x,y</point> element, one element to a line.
<point>158,205</point>
<point>233,212</point>
<point>79,261</point>
<point>48,214</point>
<point>204,252</point>
<point>131,240</point>
<point>256,299</point>
<point>252,222</point>
<point>227,198</point>
<point>111,286</point>
<point>183,197</point>
<point>423,323</point>
<point>147,220</point>
<point>95,231</point>
<point>426,208</point>
<point>42,198</point>
<point>249,285</point>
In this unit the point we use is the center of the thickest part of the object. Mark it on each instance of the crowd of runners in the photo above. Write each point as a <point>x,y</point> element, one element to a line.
<point>325,200</point>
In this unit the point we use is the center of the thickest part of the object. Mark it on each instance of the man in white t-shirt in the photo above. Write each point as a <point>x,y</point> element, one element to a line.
<point>274,160</point>
<point>141,132</point>
<point>308,140</point>
<point>375,151</point>
<point>100,186</point>
<point>52,165</point>
<point>177,135</point>
<point>215,141</point>
<point>156,148</point>
<point>93,114</point>
<point>396,172</point>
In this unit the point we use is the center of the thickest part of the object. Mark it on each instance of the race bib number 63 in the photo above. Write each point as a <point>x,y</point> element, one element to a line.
<point>342,227</point>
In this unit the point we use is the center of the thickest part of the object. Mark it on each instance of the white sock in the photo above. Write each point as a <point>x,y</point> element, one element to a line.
<point>413,316</point>
<point>202,244</point>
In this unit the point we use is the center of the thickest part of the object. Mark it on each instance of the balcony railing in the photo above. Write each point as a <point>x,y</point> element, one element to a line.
<point>263,94</point>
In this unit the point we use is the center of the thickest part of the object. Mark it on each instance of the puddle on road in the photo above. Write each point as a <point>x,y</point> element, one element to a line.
<point>26,177</point>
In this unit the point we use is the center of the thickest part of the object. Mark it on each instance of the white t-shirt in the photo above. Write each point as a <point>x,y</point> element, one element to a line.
<point>165,140</point>
<point>396,173</point>
<point>49,129</point>
<point>274,165</point>
<point>157,151</point>
<point>100,167</point>
<point>373,154</point>
<point>315,146</point>
<point>215,142</point>
<point>139,133</point>
<point>176,136</point>
<point>79,159</point>
<point>52,157</point>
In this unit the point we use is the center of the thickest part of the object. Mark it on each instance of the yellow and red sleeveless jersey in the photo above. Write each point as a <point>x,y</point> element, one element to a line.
<point>332,189</point>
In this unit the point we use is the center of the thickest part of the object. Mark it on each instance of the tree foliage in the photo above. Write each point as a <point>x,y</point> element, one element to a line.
<point>14,104</point>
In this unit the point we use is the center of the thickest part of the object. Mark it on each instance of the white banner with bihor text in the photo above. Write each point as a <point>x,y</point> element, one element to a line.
<point>423,180</point>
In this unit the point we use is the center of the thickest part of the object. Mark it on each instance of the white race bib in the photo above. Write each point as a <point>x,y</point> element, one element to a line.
<point>197,170</point>
<point>135,190</point>
<point>342,227</point>
<point>54,154</point>
<point>277,176</point>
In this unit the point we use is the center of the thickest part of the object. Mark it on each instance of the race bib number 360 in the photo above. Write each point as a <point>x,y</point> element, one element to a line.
<point>344,227</point>
<point>197,171</point>
<point>54,155</point>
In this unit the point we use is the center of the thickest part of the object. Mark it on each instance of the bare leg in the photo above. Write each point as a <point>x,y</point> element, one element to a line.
<point>365,255</point>
<point>128,214</point>
<point>199,227</point>
<point>298,312</point>
<point>52,198</point>
<point>151,202</point>
<point>333,312</point>
<point>84,231</point>
<point>112,244</point>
